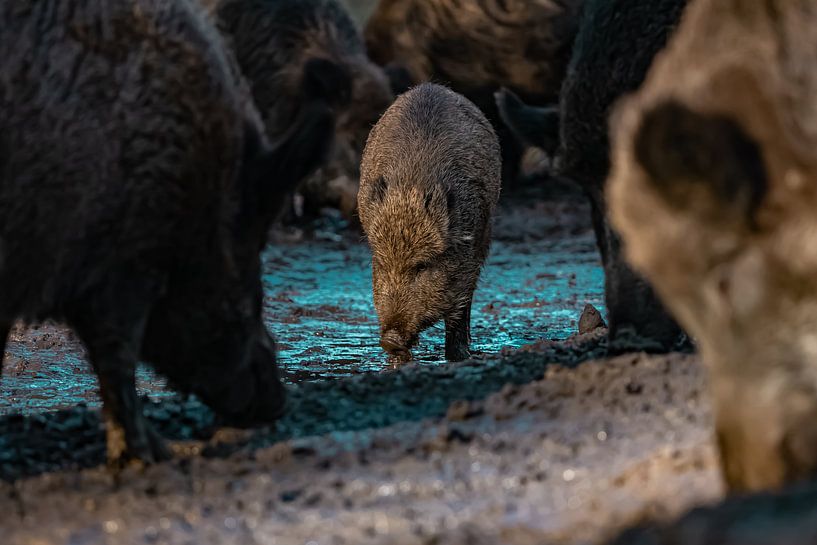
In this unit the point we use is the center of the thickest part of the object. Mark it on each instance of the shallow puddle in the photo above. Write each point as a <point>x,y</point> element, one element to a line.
<point>320,303</point>
<point>543,268</point>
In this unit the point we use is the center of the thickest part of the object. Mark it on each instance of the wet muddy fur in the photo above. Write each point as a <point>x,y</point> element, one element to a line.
<point>475,48</point>
<point>430,182</point>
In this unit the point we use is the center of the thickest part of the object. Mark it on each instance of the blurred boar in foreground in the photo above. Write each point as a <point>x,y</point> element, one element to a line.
<point>430,180</point>
<point>476,47</point>
<point>714,189</point>
<point>136,188</point>
<point>278,43</point>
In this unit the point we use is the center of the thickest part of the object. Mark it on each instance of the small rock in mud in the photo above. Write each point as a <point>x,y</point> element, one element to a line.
<point>590,319</point>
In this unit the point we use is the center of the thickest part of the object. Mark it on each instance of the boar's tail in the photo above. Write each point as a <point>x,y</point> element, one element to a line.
<point>533,126</point>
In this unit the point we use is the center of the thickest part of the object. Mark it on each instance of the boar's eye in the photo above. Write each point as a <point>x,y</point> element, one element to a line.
<point>421,267</point>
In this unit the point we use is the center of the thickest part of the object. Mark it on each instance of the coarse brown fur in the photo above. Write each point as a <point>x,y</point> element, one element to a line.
<point>274,42</point>
<point>714,190</point>
<point>477,46</point>
<point>136,188</point>
<point>430,180</point>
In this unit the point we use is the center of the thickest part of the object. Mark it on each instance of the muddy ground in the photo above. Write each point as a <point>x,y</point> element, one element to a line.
<point>540,439</point>
<point>543,269</point>
<point>502,450</point>
<point>530,442</point>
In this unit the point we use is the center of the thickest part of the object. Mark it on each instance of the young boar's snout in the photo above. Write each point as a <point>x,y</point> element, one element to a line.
<point>395,343</point>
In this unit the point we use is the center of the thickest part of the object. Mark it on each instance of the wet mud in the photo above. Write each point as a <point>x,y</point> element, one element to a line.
<point>543,269</point>
<point>525,442</point>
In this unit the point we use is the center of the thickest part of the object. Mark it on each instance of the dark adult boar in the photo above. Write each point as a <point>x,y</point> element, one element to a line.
<point>477,46</point>
<point>430,180</point>
<point>714,189</point>
<point>275,43</point>
<point>614,48</point>
<point>135,191</point>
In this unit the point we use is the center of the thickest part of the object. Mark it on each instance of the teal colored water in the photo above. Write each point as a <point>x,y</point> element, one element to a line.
<point>318,305</point>
<point>319,301</point>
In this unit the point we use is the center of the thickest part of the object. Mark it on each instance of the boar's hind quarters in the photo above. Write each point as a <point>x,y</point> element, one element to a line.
<point>689,156</point>
<point>531,125</point>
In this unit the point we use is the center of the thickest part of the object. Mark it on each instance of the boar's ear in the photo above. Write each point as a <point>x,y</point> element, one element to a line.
<point>400,79</point>
<point>327,80</point>
<point>377,189</point>
<point>531,125</point>
<point>683,151</point>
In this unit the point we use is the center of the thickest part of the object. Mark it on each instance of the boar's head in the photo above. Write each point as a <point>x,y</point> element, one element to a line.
<point>413,267</point>
<point>206,334</point>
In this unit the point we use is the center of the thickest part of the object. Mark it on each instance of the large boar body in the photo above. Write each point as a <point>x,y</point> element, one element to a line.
<point>136,188</point>
<point>714,189</point>
<point>614,48</point>
<point>430,180</point>
<point>475,47</point>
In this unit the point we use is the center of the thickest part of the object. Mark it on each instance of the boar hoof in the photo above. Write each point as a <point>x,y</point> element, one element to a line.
<point>142,447</point>
<point>398,358</point>
<point>457,353</point>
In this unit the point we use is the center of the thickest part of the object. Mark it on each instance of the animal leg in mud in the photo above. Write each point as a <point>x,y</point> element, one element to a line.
<point>458,333</point>
<point>113,342</point>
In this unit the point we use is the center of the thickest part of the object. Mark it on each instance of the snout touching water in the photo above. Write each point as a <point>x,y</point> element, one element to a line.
<point>397,346</point>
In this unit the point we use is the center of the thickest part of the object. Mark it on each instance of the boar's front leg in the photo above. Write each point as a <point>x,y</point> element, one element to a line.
<point>112,333</point>
<point>128,434</point>
<point>458,333</point>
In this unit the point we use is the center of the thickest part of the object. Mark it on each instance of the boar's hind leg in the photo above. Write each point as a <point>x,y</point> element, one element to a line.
<point>112,333</point>
<point>458,334</point>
